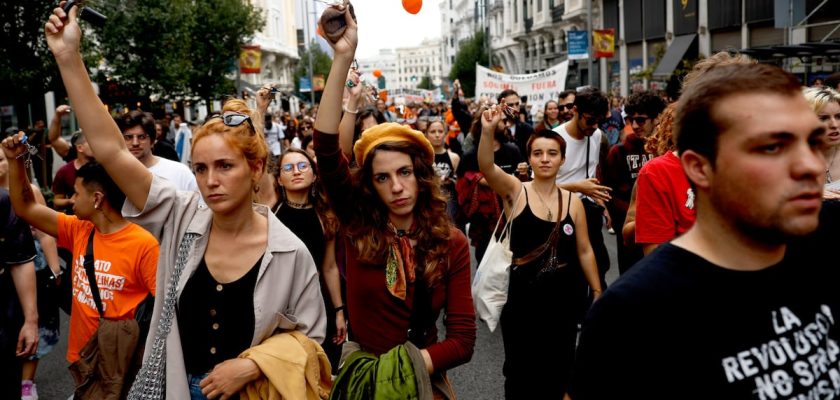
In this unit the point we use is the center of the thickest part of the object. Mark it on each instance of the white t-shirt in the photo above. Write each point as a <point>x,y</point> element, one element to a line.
<point>274,138</point>
<point>177,173</point>
<point>183,144</point>
<point>573,169</point>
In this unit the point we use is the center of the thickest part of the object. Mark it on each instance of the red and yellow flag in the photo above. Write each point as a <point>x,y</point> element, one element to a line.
<point>603,41</point>
<point>249,59</point>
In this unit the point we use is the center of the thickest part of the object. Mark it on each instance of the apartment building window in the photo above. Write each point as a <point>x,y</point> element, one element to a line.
<point>539,5</point>
<point>515,11</point>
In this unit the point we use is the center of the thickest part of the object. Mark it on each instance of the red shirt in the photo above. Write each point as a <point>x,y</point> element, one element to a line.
<point>380,321</point>
<point>663,209</point>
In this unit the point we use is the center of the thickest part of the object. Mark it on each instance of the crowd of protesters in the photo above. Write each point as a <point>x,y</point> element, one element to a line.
<point>260,253</point>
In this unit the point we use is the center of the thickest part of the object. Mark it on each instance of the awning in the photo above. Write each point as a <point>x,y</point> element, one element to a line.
<point>674,55</point>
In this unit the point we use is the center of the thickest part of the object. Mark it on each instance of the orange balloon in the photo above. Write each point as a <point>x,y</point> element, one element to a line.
<point>377,73</point>
<point>412,6</point>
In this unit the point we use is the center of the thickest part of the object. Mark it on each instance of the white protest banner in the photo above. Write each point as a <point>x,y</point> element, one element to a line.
<point>540,87</point>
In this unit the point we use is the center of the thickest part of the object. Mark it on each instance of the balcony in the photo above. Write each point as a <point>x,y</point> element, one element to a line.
<point>557,13</point>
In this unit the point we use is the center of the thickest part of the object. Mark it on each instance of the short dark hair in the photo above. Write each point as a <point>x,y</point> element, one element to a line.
<point>546,134</point>
<point>94,177</point>
<point>592,100</point>
<point>833,80</point>
<point>697,128</point>
<point>645,103</point>
<point>138,118</point>
<point>567,93</point>
<point>506,93</point>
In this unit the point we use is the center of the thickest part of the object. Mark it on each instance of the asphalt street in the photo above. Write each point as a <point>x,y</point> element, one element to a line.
<point>481,378</point>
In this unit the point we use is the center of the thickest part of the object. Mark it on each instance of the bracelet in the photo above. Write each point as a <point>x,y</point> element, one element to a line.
<point>339,308</point>
<point>356,111</point>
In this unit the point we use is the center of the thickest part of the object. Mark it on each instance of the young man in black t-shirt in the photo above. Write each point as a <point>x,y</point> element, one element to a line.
<point>732,308</point>
<point>18,304</point>
<point>623,164</point>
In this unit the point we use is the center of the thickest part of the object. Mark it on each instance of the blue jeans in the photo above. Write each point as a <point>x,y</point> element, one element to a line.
<point>195,386</point>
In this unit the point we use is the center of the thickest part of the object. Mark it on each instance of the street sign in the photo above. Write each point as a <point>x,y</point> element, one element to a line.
<point>305,84</point>
<point>578,46</point>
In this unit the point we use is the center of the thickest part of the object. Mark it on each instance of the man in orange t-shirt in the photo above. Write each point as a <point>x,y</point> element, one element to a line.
<point>125,265</point>
<point>125,254</point>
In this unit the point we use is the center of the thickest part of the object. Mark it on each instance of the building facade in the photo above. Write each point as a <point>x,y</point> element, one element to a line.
<point>278,43</point>
<point>530,35</point>
<point>460,19</point>
<point>676,30</point>
<point>413,63</point>
<point>386,63</point>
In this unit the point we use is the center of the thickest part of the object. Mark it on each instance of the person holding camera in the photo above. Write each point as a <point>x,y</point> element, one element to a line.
<point>237,274</point>
<point>405,263</point>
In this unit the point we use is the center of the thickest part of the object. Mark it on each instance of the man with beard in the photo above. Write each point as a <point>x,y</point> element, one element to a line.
<point>567,102</point>
<point>579,172</point>
<point>736,307</point>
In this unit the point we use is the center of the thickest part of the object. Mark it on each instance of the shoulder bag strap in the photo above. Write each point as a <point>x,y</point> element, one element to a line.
<point>552,238</point>
<point>91,274</point>
<point>586,166</point>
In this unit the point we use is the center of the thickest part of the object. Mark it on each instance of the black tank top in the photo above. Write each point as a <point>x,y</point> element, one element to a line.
<point>304,222</point>
<point>530,232</point>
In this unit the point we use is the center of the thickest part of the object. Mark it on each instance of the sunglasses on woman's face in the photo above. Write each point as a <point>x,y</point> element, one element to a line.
<point>288,168</point>
<point>231,118</point>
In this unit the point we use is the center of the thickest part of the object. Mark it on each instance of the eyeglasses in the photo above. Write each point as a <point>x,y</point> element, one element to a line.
<point>568,107</point>
<point>638,120</point>
<point>231,118</point>
<point>288,168</point>
<point>141,137</point>
<point>306,126</point>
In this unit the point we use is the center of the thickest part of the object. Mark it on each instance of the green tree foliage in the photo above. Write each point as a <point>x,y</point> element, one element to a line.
<point>426,82</point>
<point>27,68</point>
<point>321,63</point>
<point>175,48</point>
<point>472,51</point>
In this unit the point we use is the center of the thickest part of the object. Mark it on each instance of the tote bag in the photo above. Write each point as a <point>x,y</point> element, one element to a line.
<point>490,285</point>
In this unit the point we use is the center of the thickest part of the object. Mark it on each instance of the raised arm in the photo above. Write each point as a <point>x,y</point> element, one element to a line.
<point>61,146</point>
<point>103,135</point>
<point>347,128</point>
<point>329,113</point>
<point>503,184</point>
<point>23,198</point>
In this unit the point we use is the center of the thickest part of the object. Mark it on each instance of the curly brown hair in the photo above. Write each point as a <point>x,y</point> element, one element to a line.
<point>662,139</point>
<point>367,229</point>
<point>316,195</point>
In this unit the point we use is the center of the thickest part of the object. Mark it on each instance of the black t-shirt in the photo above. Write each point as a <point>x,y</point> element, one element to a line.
<point>16,245</point>
<point>679,327</point>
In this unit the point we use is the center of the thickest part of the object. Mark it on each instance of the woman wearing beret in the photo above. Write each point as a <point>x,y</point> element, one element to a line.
<point>405,261</point>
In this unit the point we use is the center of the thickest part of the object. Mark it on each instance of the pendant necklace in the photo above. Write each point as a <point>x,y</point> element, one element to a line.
<point>543,203</point>
<point>830,164</point>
